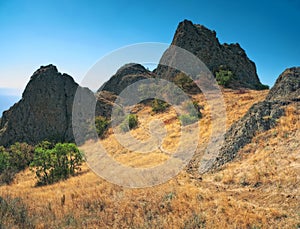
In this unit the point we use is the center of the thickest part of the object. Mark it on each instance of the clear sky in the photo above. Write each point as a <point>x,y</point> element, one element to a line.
<point>73,35</point>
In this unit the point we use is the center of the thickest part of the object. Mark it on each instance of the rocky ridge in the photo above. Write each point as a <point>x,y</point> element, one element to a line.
<point>261,117</point>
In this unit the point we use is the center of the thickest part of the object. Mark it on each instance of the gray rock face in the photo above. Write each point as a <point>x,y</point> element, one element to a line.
<point>44,112</point>
<point>105,103</point>
<point>287,86</point>
<point>260,117</point>
<point>204,44</point>
<point>125,76</point>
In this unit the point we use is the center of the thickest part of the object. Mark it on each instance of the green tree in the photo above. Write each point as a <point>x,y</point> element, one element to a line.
<point>193,113</point>
<point>159,106</point>
<point>224,77</point>
<point>130,122</point>
<point>4,159</point>
<point>101,124</point>
<point>14,159</point>
<point>52,164</point>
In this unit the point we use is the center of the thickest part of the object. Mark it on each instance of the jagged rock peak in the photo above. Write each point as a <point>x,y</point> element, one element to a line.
<point>287,86</point>
<point>204,44</point>
<point>44,112</point>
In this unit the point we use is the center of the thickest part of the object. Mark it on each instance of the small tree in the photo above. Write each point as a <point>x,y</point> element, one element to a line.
<point>4,159</point>
<point>52,164</point>
<point>193,113</point>
<point>14,159</point>
<point>224,77</point>
<point>130,122</point>
<point>159,106</point>
<point>101,124</point>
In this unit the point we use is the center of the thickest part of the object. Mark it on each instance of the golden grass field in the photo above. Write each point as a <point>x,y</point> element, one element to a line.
<point>259,189</point>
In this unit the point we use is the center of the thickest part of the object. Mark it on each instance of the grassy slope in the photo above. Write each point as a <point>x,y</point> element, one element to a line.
<point>260,189</point>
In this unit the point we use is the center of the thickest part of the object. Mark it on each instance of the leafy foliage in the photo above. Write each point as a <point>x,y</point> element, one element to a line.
<point>14,159</point>
<point>186,83</point>
<point>159,106</point>
<point>193,113</point>
<point>130,122</point>
<point>187,119</point>
<point>101,124</point>
<point>54,163</point>
<point>224,77</point>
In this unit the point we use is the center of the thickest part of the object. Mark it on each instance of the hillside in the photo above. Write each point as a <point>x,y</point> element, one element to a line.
<point>260,189</point>
<point>247,177</point>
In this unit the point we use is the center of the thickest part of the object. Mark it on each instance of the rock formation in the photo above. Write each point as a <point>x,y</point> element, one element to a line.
<point>287,86</point>
<point>261,117</point>
<point>44,112</point>
<point>204,44</point>
<point>125,76</point>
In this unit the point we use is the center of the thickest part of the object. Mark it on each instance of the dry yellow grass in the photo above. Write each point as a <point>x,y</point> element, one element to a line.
<point>260,189</point>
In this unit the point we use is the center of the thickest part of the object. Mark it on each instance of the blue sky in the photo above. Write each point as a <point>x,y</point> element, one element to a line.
<point>73,35</point>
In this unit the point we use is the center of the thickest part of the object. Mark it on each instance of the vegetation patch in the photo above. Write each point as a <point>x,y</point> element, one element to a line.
<point>13,160</point>
<point>53,163</point>
<point>101,124</point>
<point>130,122</point>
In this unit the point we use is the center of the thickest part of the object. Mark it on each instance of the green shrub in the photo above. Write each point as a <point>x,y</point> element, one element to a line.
<point>21,155</point>
<point>14,159</point>
<point>159,106</point>
<point>224,77</point>
<point>186,84</point>
<point>130,122</point>
<point>187,119</point>
<point>4,159</point>
<point>52,164</point>
<point>101,124</point>
<point>193,113</point>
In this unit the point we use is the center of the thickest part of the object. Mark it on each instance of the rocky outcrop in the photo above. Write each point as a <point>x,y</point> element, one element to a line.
<point>287,86</point>
<point>204,44</point>
<point>44,112</point>
<point>105,103</point>
<point>125,76</point>
<point>260,117</point>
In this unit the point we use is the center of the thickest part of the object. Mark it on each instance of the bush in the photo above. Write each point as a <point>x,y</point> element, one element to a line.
<point>224,77</point>
<point>130,122</point>
<point>13,160</point>
<point>187,119</point>
<point>186,83</point>
<point>52,164</point>
<point>101,124</point>
<point>193,113</point>
<point>159,106</point>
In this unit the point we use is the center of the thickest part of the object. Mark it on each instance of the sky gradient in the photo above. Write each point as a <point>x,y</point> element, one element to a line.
<point>73,35</point>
